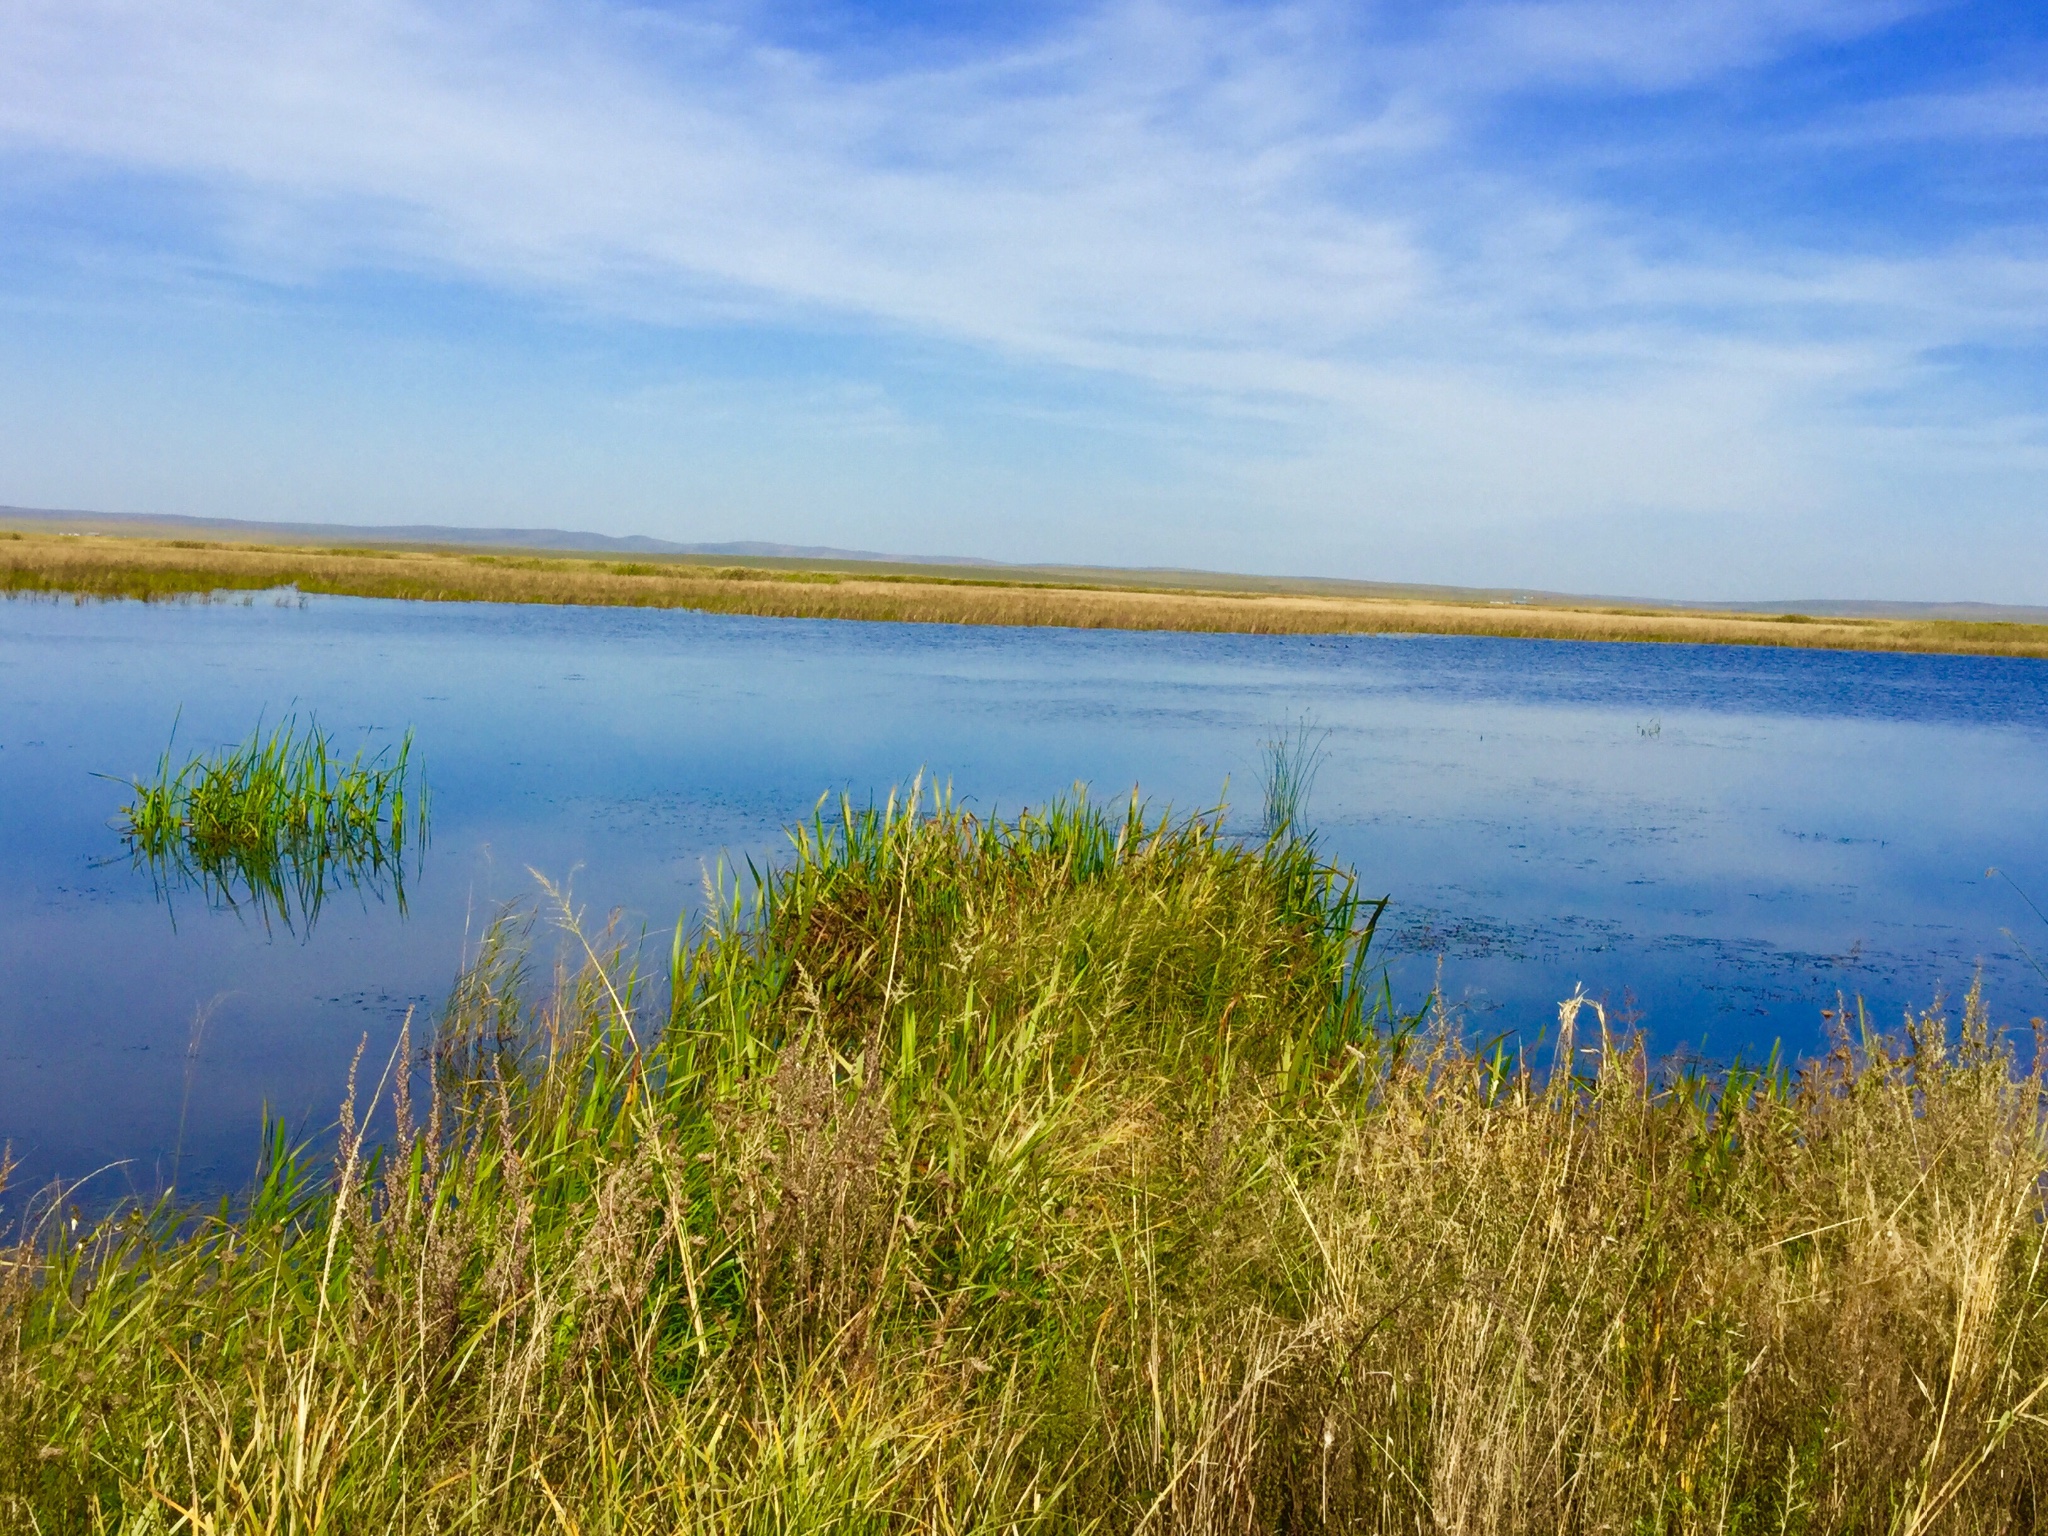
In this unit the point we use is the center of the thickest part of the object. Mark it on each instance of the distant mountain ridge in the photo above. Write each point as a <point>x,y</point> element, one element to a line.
<point>438,533</point>
<point>570,541</point>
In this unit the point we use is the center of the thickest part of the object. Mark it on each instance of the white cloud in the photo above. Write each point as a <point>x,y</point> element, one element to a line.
<point>1991,112</point>
<point>1289,210</point>
<point>1158,176</point>
<point>1645,45</point>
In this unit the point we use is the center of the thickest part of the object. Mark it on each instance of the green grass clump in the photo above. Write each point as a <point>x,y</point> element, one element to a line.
<point>1062,1174</point>
<point>1292,761</point>
<point>279,821</point>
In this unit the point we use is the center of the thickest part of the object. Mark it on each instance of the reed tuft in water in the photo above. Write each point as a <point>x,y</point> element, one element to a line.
<point>1292,759</point>
<point>278,821</point>
<point>1066,1174</point>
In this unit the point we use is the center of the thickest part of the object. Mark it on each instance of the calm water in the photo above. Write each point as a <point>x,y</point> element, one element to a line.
<point>1720,838</point>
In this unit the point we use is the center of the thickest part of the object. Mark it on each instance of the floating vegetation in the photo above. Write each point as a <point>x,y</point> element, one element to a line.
<point>279,823</point>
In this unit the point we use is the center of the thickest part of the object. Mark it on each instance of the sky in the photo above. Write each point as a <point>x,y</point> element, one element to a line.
<point>1740,299</point>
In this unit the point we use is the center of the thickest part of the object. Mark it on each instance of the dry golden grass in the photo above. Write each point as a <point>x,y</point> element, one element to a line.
<point>96,565</point>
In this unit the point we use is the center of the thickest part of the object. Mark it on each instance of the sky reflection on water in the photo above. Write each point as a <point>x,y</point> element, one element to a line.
<point>1718,839</point>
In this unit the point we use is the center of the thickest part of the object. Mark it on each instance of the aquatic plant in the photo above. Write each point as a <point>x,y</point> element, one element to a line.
<point>1070,1174</point>
<point>1292,759</point>
<point>279,821</point>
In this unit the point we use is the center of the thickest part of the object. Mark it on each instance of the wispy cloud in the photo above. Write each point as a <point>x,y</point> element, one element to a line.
<point>1307,210</point>
<point>1993,112</point>
<point>1645,46</point>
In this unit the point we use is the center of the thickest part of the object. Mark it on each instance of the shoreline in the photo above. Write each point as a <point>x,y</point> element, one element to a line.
<point>110,566</point>
<point>1002,1167</point>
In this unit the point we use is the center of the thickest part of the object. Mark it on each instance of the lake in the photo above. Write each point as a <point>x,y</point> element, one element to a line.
<point>1716,840</point>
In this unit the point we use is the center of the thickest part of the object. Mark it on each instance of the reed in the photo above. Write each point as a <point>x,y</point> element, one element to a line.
<point>94,566</point>
<point>1292,761</point>
<point>278,821</point>
<point>1073,1173</point>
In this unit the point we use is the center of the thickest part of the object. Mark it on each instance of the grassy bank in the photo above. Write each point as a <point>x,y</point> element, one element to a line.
<point>1064,1175</point>
<point>103,566</point>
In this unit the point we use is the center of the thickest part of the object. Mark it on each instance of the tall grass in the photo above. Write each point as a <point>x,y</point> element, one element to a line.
<point>1065,1174</point>
<point>279,821</point>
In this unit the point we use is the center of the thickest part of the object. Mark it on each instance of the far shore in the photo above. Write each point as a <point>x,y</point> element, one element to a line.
<point>100,565</point>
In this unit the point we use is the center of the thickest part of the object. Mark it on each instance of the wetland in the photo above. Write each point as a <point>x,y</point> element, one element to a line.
<point>1564,1086</point>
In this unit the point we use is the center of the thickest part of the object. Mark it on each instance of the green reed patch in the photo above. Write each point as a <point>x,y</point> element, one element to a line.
<point>280,821</point>
<point>1292,761</point>
<point>1068,1174</point>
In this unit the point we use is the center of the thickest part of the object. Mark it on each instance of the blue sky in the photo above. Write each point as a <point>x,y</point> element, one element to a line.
<point>1740,299</point>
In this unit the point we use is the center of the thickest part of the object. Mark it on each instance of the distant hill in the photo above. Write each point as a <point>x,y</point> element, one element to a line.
<point>568,541</point>
<point>442,534</point>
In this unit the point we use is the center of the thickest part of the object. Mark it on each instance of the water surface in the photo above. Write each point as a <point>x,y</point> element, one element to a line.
<point>1719,840</point>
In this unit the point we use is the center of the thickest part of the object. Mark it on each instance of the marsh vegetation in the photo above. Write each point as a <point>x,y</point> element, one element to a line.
<point>279,822</point>
<point>1070,1173</point>
<point>95,566</point>
<point>1292,758</point>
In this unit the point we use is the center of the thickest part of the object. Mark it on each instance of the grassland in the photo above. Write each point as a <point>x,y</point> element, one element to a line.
<point>120,567</point>
<point>1063,1175</point>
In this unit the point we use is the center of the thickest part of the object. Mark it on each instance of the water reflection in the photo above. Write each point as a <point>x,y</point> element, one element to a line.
<point>1723,839</point>
<point>275,826</point>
